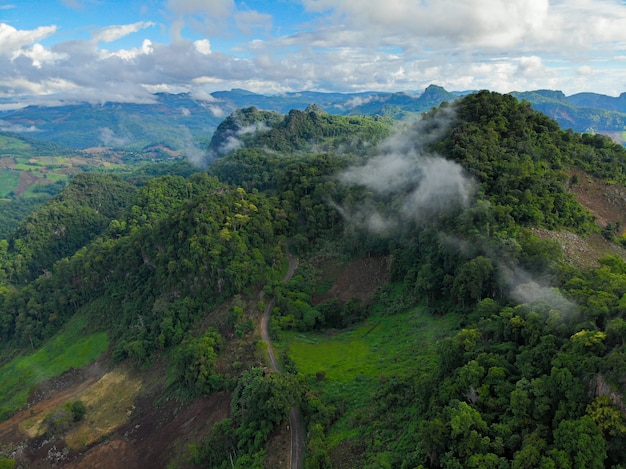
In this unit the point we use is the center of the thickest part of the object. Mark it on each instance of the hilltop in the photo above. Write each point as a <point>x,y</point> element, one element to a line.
<point>458,299</point>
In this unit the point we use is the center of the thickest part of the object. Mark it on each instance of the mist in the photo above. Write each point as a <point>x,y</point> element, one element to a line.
<point>525,289</point>
<point>411,183</point>
<point>109,139</point>
<point>234,140</point>
<point>405,186</point>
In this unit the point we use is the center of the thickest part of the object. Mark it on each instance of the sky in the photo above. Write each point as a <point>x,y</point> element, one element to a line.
<point>62,51</point>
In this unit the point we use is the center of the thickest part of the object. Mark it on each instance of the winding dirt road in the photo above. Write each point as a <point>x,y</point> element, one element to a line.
<point>296,457</point>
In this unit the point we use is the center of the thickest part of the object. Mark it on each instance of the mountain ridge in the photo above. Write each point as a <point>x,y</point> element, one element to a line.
<point>183,122</point>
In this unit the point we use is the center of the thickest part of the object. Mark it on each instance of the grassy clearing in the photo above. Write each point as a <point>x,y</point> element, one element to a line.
<point>8,144</point>
<point>8,181</point>
<point>68,349</point>
<point>381,345</point>
<point>353,361</point>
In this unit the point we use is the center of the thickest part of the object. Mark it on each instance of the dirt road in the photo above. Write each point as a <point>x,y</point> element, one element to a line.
<point>295,418</point>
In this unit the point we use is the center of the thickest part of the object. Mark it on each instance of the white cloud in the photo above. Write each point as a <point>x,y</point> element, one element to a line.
<point>531,66</point>
<point>113,33</point>
<point>109,139</point>
<point>15,128</point>
<point>216,111</point>
<point>203,46</point>
<point>349,45</point>
<point>12,40</point>
<point>39,55</point>
<point>129,54</point>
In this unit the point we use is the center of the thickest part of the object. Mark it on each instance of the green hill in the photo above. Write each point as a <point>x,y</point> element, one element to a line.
<point>433,319</point>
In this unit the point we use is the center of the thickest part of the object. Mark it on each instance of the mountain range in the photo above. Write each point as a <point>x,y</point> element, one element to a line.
<point>184,123</point>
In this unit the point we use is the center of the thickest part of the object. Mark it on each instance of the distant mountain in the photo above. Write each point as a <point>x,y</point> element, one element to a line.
<point>599,101</point>
<point>174,120</point>
<point>400,105</point>
<point>583,112</point>
<point>182,122</point>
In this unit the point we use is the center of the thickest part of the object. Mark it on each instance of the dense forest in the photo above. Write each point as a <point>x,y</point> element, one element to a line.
<point>527,363</point>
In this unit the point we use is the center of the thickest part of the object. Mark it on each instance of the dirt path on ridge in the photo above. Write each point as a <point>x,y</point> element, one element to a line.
<point>296,427</point>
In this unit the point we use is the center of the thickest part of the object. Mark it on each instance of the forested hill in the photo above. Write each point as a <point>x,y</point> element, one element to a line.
<point>433,320</point>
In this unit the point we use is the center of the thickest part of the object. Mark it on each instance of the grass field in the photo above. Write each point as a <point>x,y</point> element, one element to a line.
<point>8,181</point>
<point>68,349</point>
<point>11,144</point>
<point>352,362</point>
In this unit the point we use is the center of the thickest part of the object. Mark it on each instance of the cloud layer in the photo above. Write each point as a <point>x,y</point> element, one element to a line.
<point>326,45</point>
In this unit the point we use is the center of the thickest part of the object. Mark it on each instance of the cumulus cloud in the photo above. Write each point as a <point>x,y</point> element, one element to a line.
<point>40,55</point>
<point>203,46</point>
<point>344,45</point>
<point>12,40</point>
<point>129,54</point>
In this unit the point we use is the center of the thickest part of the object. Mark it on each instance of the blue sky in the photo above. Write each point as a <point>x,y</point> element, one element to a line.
<point>59,51</point>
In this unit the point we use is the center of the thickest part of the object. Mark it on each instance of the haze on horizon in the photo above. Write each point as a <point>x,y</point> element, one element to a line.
<point>62,51</point>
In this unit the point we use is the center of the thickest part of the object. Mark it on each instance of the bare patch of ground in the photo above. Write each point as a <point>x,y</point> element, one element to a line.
<point>158,434</point>
<point>27,179</point>
<point>347,455</point>
<point>48,395</point>
<point>128,422</point>
<point>278,447</point>
<point>605,200</point>
<point>358,279</point>
<point>582,252</point>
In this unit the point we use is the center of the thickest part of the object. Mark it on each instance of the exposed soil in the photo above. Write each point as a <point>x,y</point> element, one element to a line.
<point>607,202</point>
<point>125,424</point>
<point>358,279</point>
<point>158,434</point>
<point>26,179</point>
<point>278,447</point>
<point>48,396</point>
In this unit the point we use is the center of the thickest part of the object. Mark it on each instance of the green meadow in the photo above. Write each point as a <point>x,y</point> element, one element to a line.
<point>70,348</point>
<point>8,181</point>
<point>348,365</point>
